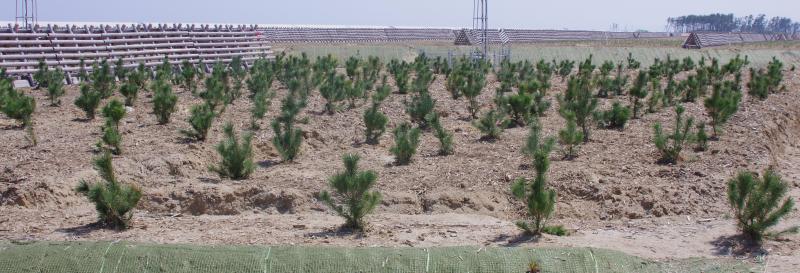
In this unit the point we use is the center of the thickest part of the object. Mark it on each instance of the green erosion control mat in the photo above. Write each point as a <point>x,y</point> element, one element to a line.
<point>101,257</point>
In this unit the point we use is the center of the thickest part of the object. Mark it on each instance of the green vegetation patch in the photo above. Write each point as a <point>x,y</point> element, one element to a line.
<point>66,257</point>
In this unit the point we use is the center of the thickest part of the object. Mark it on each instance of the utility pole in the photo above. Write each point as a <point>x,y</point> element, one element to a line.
<point>26,13</point>
<point>480,23</point>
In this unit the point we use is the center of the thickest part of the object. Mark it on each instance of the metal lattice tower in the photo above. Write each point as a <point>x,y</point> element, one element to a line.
<point>480,24</point>
<point>26,13</point>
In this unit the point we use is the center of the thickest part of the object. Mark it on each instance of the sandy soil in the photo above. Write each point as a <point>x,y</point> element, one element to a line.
<point>614,195</point>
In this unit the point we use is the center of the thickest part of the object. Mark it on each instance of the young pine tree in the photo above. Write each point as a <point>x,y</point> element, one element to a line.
<point>614,118</point>
<point>570,137</point>
<point>421,105</point>
<point>474,82</point>
<point>351,197</point>
<point>670,146</point>
<point>406,140</point>
<point>114,111</point>
<point>539,199</point>
<point>638,92</point>
<point>261,102</point>
<point>491,125</point>
<point>721,105</point>
<point>333,91</point>
<point>88,101</point>
<point>445,138</point>
<point>20,107</point>
<point>102,79</point>
<point>111,140</point>
<point>130,90</point>
<point>579,100</point>
<point>701,138</point>
<point>114,201</point>
<point>288,138</point>
<point>164,101</point>
<point>374,120</point>
<point>237,155</point>
<point>55,86</point>
<point>758,204</point>
<point>201,120</point>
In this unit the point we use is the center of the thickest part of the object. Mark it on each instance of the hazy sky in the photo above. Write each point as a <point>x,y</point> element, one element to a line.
<point>551,14</point>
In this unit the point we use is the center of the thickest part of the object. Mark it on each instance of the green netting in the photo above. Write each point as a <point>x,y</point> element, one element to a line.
<point>107,257</point>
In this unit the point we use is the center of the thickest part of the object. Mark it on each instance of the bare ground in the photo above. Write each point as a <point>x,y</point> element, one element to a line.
<point>614,195</point>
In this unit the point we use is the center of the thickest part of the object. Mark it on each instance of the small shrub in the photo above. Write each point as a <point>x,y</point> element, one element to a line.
<point>261,102</point>
<point>491,125</point>
<point>755,204</point>
<point>555,230</point>
<point>638,92</point>
<point>570,137</point>
<point>120,71</point>
<point>375,122</point>
<point>579,100</point>
<point>42,75</point>
<point>351,198</point>
<point>406,140</point>
<point>20,107</point>
<point>633,63</point>
<point>102,79</point>
<point>670,146</point>
<point>130,90</point>
<point>113,200</point>
<point>114,111</point>
<point>701,138</point>
<point>111,139</point>
<point>614,118</point>
<point>539,199</point>
<point>288,138</point>
<point>164,102</point>
<point>519,106</point>
<point>421,105</point>
<point>565,68</point>
<point>201,120</point>
<point>723,103</point>
<point>88,101</point>
<point>189,76</point>
<point>445,138</point>
<point>333,91</point>
<point>55,86</point>
<point>237,155</point>
<point>474,82</point>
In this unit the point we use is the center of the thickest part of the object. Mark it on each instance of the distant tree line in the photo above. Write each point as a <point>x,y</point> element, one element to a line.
<point>718,22</point>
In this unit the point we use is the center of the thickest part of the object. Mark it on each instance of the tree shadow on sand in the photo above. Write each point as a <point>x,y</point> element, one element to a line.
<point>82,230</point>
<point>737,245</point>
<point>515,240</point>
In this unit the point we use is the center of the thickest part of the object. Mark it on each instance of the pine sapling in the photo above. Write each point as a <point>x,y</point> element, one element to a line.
<point>261,102</point>
<point>374,120</point>
<point>288,138</point>
<point>114,111</point>
<point>20,107</point>
<point>201,119</point>
<point>111,140</point>
<point>164,101</point>
<point>570,137</point>
<point>445,138</point>
<point>638,92</point>
<point>351,197</point>
<point>759,204</point>
<point>491,125</point>
<point>539,199</point>
<point>614,118</point>
<point>130,90</point>
<point>670,146</point>
<point>406,140</point>
<point>237,155</point>
<point>114,201</point>
<point>721,105</point>
<point>55,86</point>
<point>88,101</point>
<point>701,138</point>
